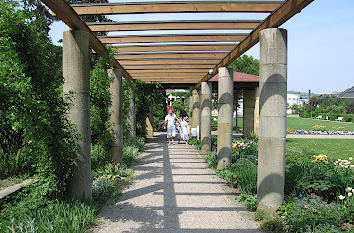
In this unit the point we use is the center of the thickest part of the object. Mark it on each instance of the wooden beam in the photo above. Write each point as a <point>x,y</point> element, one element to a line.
<point>169,56</point>
<point>112,27</point>
<point>97,9</point>
<point>128,67</point>
<point>163,75</point>
<point>158,71</point>
<point>165,62</point>
<point>175,38</point>
<point>174,48</point>
<point>276,19</point>
<point>66,13</point>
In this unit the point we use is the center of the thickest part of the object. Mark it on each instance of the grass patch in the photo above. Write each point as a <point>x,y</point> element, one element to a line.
<point>294,123</point>
<point>334,148</point>
<point>239,122</point>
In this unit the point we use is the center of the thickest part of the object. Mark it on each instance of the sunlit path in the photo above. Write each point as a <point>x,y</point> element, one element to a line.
<point>174,191</point>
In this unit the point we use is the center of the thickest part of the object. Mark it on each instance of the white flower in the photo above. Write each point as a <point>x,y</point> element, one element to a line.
<point>349,189</point>
<point>350,194</point>
<point>347,166</point>
<point>350,158</point>
<point>341,197</point>
<point>352,166</point>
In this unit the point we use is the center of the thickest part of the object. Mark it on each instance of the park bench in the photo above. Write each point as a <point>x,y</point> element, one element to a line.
<point>339,119</point>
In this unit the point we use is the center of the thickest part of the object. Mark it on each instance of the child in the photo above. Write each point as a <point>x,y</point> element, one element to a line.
<point>185,129</point>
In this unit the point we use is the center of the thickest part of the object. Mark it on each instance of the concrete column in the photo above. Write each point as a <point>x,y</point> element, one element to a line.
<point>256,112</point>
<point>190,106</point>
<point>272,121</point>
<point>116,145</point>
<point>150,121</point>
<point>235,107</point>
<point>249,101</point>
<point>195,109</point>
<point>225,110</point>
<point>205,117</point>
<point>76,74</point>
<point>131,137</point>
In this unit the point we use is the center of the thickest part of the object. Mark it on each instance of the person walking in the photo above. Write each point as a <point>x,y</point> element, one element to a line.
<point>184,126</point>
<point>170,120</point>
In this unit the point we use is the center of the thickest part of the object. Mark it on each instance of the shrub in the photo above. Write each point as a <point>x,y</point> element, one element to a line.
<point>248,200</point>
<point>211,160</point>
<point>303,213</point>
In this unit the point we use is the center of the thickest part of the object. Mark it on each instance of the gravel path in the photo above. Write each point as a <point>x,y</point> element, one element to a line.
<point>174,191</point>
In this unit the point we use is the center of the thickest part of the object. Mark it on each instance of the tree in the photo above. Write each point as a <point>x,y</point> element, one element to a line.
<point>246,64</point>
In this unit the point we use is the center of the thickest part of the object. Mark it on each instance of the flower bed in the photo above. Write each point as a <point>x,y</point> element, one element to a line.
<point>318,193</point>
<point>318,132</point>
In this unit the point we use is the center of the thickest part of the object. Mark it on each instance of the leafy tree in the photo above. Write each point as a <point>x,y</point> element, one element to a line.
<point>246,64</point>
<point>178,106</point>
<point>35,134</point>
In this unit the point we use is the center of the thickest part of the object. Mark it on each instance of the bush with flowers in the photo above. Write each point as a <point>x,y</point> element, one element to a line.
<point>317,188</point>
<point>112,171</point>
<point>304,213</point>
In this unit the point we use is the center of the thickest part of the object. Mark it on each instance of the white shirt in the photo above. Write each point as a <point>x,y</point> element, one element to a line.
<point>170,119</point>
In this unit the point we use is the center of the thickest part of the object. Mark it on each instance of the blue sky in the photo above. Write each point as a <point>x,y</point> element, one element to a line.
<point>320,44</point>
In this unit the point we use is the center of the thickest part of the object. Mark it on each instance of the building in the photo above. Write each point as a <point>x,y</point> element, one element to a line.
<point>347,95</point>
<point>172,97</point>
<point>293,97</point>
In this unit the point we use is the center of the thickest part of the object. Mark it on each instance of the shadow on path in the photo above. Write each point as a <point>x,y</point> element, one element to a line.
<point>174,191</point>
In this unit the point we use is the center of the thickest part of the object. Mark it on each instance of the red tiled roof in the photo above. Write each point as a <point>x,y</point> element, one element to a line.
<point>239,78</point>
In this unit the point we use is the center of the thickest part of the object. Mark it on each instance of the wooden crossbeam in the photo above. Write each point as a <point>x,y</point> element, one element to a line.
<point>159,71</point>
<point>97,9</point>
<point>111,27</point>
<point>175,38</point>
<point>174,48</point>
<point>276,19</point>
<point>182,66</point>
<point>164,62</point>
<point>65,12</point>
<point>162,74</point>
<point>169,56</point>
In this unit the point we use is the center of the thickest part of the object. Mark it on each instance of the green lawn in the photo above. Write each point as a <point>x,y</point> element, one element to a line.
<point>294,123</point>
<point>239,122</point>
<point>334,148</point>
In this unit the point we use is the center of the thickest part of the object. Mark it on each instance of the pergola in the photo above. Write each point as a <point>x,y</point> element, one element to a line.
<point>188,53</point>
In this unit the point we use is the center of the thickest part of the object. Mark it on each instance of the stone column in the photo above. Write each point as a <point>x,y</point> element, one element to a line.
<point>272,121</point>
<point>235,107</point>
<point>195,109</point>
<point>131,132</point>
<point>205,117</point>
<point>76,74</point>
<point>256,112</point>
<point>249,101</point>
<point>150,121</point>
<point>190,106</point>
<point>116,145</point>
<point>225,110</point>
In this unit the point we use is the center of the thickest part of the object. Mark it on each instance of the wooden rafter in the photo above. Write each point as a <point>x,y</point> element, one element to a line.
<point>169,56</point>
<point>176,74</point>
<point>65,12</point>
<point>159,71</point>
<point>174,48</point>
<point>276,19</point>
<point>103,9</point>
<point>111,27</point>
<point>165,62</point>
<point>182,66</point>
<point>175,38</point>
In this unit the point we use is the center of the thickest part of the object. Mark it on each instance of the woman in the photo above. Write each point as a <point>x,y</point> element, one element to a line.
<point>184,126</point>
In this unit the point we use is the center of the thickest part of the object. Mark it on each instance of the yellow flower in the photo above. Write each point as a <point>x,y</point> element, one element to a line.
<point>321,158</point>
